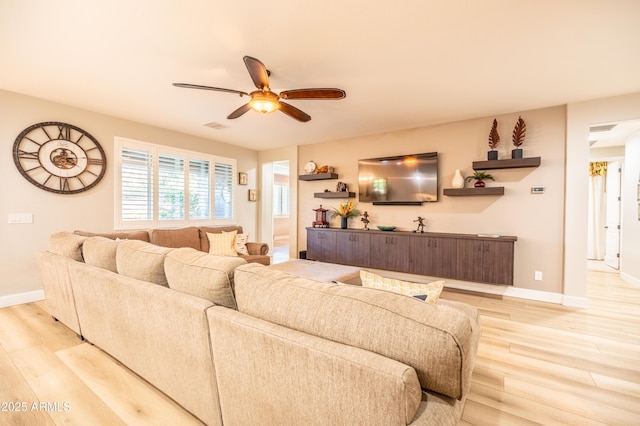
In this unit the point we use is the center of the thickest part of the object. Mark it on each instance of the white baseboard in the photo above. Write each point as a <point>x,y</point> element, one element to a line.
<point>20,298</point>
<point>630,279</point>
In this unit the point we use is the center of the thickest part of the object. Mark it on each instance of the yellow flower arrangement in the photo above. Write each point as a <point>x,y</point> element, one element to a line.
<point>345,210</point>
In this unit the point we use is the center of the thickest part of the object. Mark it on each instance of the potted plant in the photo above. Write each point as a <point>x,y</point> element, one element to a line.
<point>345,211</point>
<point>479,176</point>
<point>519,132</point>
<point>494,141</point>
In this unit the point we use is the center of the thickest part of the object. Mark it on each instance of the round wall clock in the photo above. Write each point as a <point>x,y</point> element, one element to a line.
<point>310,167</point>
<point>59,157</point>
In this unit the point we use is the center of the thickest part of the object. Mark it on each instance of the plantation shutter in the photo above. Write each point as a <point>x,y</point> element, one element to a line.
<point>199,189</point>
<point>223,191</point>
<point>137,185</point>
<point>171,189</point>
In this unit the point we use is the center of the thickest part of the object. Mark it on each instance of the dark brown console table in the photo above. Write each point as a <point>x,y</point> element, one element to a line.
<point>467,257</point>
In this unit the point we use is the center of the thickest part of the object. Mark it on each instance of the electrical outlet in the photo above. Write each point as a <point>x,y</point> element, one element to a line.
<point>537,276</point>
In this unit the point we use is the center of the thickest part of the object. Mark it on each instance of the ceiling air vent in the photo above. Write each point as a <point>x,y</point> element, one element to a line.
<point>603,128</point>
<point>215,125</point>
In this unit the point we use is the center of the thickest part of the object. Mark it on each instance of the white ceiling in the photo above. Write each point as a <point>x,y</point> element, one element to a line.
<point>403,64</point>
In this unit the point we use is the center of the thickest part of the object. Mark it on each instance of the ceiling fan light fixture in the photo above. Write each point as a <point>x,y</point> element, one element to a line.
<point>264,101</point>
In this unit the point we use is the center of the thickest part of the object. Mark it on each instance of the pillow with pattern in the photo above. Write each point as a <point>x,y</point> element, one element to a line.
<point>241,243</point>
<point>431,290</point>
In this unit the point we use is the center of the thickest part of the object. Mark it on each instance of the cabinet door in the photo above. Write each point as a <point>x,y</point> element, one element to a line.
<point>485,261</point>
<point>353,248</point>
<point>433,256</point>
<point>321,245</point>
<point>498,262</point>
<point>389,251</point>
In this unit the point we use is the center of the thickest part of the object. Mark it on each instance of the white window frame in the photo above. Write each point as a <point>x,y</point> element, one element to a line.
<point>157,150</point>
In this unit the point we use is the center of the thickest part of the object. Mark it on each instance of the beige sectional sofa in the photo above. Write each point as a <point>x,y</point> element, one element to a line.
<point>239,343</point>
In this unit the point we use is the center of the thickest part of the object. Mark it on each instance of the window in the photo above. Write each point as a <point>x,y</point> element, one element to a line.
<point>157,185</point>
<point>280,200</point>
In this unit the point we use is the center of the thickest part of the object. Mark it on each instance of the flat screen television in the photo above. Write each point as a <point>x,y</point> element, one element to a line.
<point>399,180</point>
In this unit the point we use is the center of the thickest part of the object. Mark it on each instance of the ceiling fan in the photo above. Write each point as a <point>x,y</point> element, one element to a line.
<point>264,100</point>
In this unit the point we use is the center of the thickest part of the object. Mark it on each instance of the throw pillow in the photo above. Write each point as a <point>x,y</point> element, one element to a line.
<point>432,290</point>
<point>222,244</point>
<point>241,243</point>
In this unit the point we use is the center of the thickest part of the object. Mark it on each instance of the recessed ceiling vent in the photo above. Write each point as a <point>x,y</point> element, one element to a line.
<point>603,128</point>
<point>215,125</point>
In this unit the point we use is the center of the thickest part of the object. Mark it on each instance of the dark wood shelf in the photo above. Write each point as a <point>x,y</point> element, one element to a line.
<point>340,194</point>
<point>487,190</point>
<point>318,176</point>
<point>509,163</point>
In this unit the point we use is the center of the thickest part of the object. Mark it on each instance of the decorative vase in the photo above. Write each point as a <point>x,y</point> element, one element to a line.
<point>492,155</point>
<point>516,153</point>
<point>479,184</point>
<point>458,180</point>
<point>343,222</point>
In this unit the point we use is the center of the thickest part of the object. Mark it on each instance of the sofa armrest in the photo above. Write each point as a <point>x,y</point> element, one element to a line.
<point>258,248</point>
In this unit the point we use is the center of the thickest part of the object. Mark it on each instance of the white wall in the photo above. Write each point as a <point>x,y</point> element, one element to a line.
<point>92,210</point>
<point>630,243</point>
<point>537,220</point>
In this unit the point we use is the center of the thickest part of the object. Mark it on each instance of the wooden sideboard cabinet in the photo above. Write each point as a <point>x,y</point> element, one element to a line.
<point>465,257</point>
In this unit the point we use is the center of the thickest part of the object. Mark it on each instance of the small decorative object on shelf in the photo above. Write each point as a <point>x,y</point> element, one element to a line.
<point>365,220</point>
<point>323,169</point>
<point>345,211</point>
<point>494,141</point>
<point>519,132</point>
<point>342,187</point>
<point>321,218</point>
<point>310,167</point>
<point>458,180</point>
<point>421,225</point>
<point>479,176</point>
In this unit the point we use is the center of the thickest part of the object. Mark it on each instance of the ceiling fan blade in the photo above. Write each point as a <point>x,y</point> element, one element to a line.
<point>257,71</point>
<point>313,94</point>
<point>217,89</point>
<point>237,113</point>
<point>294,112</point>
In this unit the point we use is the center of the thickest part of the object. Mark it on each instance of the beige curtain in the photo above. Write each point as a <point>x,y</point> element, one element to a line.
<point>597,210</point>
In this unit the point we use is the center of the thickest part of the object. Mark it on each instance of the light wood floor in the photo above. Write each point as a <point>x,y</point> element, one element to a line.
<point>537,363</point>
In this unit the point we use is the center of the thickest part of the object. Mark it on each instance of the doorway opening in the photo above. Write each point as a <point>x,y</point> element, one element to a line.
<point>281,211</point>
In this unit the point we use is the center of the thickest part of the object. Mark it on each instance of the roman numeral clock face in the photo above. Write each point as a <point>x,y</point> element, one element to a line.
<point>59,157</point>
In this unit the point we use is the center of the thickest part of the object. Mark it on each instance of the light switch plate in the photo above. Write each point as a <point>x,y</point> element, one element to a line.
<point>20,218</point>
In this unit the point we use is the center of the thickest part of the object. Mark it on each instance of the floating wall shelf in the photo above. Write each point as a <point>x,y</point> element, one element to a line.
<point>340,194</point>
<point>319,176</point>
<point>509,163</point>
<point>487,190</point>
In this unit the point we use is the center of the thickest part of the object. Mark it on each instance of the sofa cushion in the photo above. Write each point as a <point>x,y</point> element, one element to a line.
<point>429,292</point>
<point>67,244</point>
<point>125,235</point>
<point>223,244</point>
<point>204,230</point>
<point>182,237</point>
<point>203,275</point>
<point>143,261</point>
<point>438,341</point>
<point>101,252</point>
